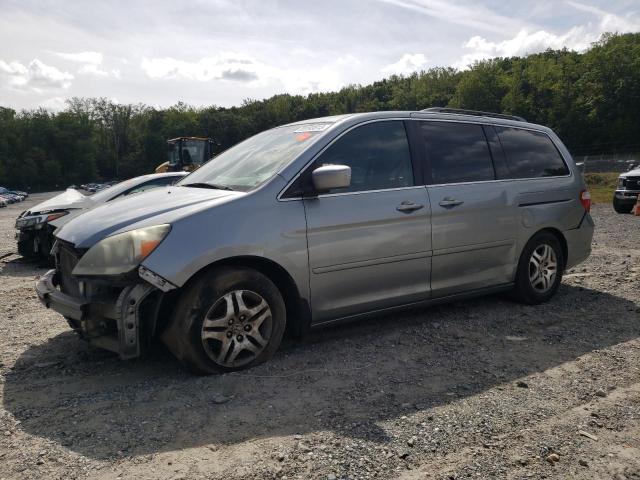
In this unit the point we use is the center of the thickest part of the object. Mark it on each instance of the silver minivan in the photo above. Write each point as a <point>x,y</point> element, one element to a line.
<point>320,221</point>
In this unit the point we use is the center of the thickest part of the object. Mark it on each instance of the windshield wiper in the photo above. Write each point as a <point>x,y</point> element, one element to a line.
<point>216,186</point>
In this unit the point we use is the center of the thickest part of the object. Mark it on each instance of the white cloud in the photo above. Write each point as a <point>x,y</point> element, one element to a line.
<point>227,66</point>
<point>469,15</point>
<point>37,76</point>
<point>92,69</point>
<point>91,63</point>
<point>54,103</point>
<point>610,22</point>
<point>408,63</point>
<point>240,68</point>
<point>577,38</point>
<point>525,43</point>
<point>93,58</point>
<point>13,68</point>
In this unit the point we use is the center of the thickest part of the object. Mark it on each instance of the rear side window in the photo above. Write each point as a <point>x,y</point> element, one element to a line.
<point>530,154</point>
<point>378,154</point>
<point>457,152</point>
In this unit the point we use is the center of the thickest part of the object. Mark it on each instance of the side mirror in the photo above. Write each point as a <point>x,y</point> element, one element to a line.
<point>329,177</point>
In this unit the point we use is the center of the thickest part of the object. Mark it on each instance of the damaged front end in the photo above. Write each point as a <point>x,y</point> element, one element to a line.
<point>120,312</point>
<point>34,232</point>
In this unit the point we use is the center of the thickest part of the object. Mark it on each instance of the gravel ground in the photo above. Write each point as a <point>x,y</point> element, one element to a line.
<point>476,389</point>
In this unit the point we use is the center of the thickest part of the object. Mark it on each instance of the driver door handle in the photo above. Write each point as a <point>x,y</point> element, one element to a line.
<point>450,202</point>
<point>408,207</point>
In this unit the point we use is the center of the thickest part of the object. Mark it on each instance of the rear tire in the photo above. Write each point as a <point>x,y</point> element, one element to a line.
<point>540,269</point>
<point>620,207</point>
<point>227,319</point>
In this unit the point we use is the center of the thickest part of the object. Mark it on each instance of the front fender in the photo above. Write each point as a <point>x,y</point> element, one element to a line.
<point>255,225</point>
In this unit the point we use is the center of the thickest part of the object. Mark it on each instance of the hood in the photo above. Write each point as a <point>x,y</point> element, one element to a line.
<point>157,206</point>
<point>68,199</point>
<point>631,173</point>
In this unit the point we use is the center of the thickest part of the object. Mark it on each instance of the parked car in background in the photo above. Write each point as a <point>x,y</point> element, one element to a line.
<point>14,192</point>
<point>322,221</point>
<point>13,196</point>
<point>3,202</point>
<point>36,225</point>
<point>627,191</point>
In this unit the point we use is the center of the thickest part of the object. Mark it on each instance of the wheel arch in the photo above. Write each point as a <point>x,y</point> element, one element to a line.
<point>298,310</point>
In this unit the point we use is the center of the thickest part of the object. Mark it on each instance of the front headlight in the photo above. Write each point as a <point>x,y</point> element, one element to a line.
<point>121,253</point>
<point>621,181</point>
<point>38,220</point>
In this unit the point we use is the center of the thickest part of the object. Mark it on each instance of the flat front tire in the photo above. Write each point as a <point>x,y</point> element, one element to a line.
<point>227,319</point>
<point>540,269</point>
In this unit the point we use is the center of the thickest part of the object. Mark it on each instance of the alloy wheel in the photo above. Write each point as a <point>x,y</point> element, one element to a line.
<point>543,268</point>
<point>237,328</point>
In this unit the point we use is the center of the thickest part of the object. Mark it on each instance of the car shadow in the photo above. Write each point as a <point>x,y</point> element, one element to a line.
<point>348,378</point>
<point>14,265</point>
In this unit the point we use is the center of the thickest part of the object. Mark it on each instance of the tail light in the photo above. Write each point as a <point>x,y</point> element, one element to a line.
<point>585,200</point>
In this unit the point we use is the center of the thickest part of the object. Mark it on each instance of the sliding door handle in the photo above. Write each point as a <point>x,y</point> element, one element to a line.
<point>408,207</point>
<point>450,202</point>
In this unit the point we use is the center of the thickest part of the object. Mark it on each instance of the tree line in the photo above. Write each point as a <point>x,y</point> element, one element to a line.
<point>591,99</point>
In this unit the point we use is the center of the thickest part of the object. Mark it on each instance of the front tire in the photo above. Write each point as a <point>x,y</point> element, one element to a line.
<point>620,207</point>
<point>227,319</point>
<point>540,269</point>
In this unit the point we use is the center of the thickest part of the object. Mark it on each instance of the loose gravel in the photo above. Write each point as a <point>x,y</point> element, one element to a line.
<point>477,389</point>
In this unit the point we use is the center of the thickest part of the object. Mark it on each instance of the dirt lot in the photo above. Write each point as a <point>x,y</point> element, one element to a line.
<point>478,389</point>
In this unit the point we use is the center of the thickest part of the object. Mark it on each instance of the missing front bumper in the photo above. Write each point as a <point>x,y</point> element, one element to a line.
<point>94,318</point>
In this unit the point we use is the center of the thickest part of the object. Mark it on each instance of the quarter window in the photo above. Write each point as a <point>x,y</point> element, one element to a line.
<point>530,154</point>
<point>457,152</point>
<point>378,154</point>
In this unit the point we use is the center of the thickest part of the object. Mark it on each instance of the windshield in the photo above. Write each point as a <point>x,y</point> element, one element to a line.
<point>249,164</point>
<point>192,152</point>
<point>173,154</point>
<point>107,193</point>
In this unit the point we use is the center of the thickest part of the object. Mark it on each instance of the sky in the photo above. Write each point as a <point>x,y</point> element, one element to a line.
<point>222,52</point>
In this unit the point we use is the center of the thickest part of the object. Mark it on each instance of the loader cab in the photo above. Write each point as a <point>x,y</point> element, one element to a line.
<point>187,154</point>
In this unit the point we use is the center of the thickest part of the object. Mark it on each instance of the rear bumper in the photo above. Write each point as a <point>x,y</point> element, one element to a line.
<point>112,322</point>
<point>579,242</point>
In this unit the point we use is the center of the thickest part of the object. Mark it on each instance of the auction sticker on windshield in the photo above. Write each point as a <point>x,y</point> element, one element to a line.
<point>312,127</point>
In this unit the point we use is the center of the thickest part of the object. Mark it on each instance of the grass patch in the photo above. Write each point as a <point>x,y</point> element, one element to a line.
<point>601,186</point>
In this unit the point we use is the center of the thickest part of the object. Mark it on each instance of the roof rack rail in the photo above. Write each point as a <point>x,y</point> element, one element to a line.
<point>461,111</point>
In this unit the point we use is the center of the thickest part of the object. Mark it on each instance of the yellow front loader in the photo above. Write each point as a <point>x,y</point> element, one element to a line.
<point>185,154</point>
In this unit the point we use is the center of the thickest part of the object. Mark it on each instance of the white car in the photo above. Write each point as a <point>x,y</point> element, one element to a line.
<point>36,225</point>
